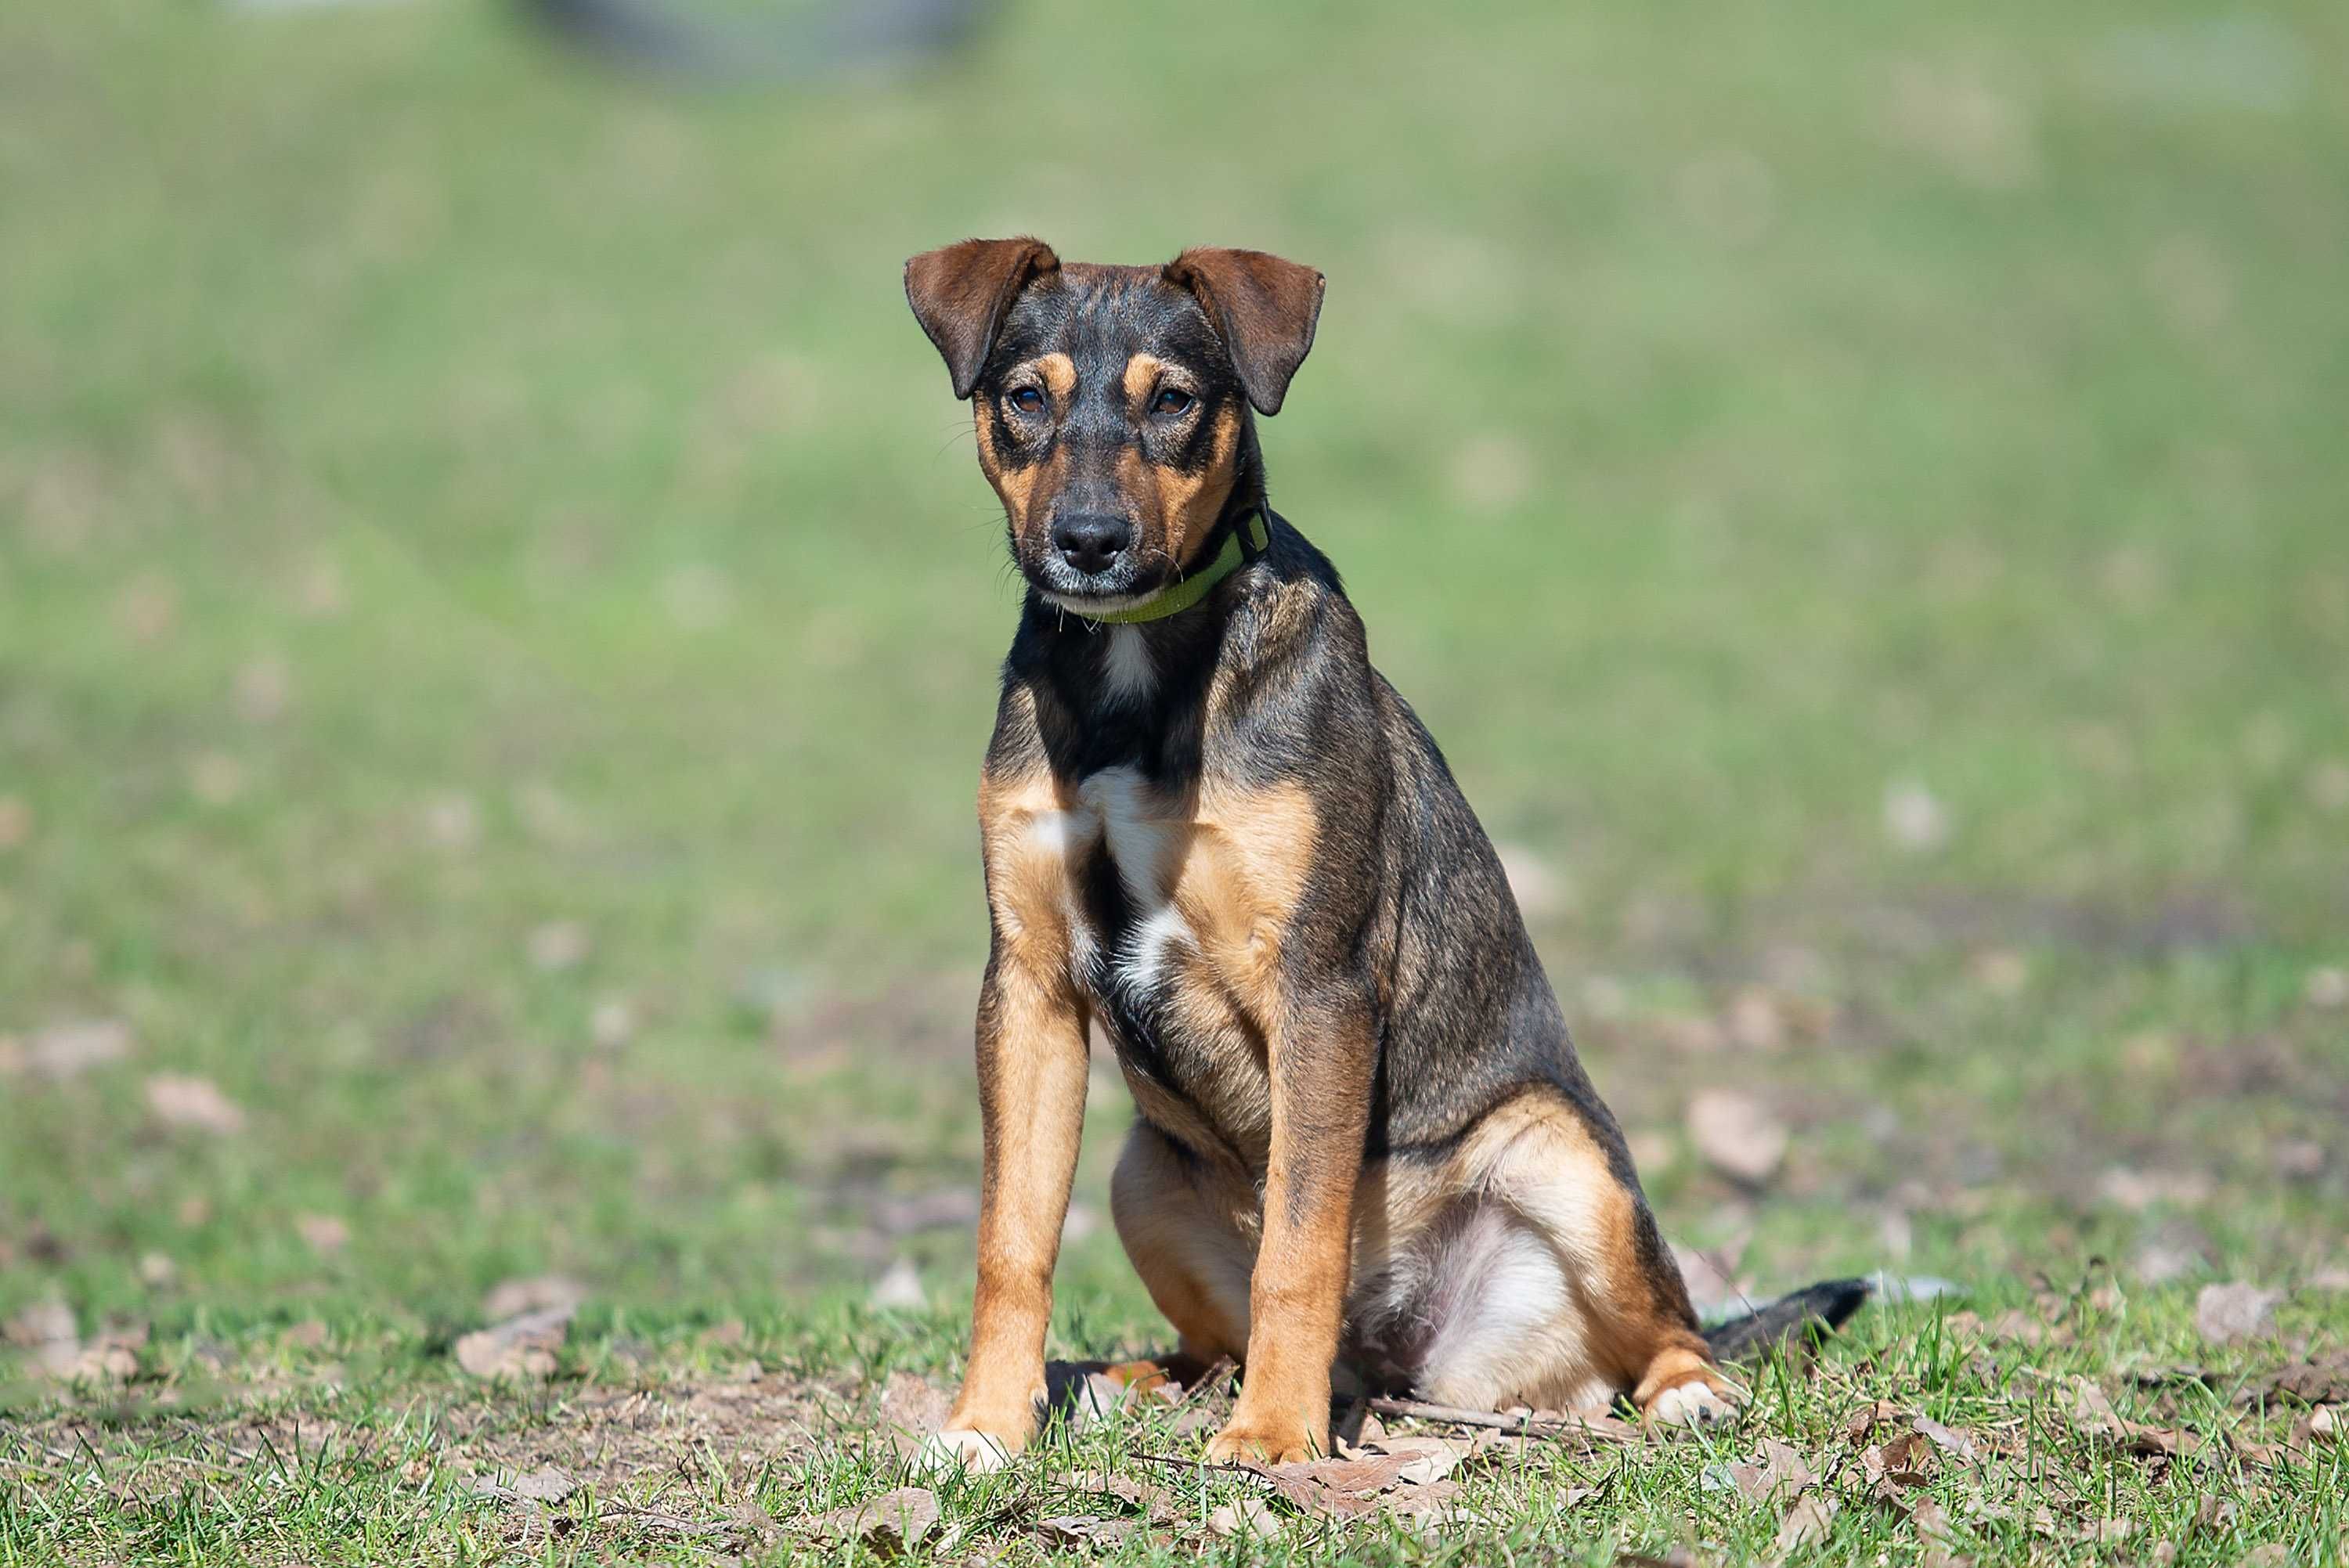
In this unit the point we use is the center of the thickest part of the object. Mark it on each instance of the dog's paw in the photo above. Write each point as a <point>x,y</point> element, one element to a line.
<point>1694,1403</point>
<point>965,1448</point>
<point>1248,1443</point>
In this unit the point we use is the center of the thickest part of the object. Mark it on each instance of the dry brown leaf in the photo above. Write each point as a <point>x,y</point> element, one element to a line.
<point>1958,1446</point>
<point>1806,1525</point>
<point>1775,1470</point>
<point>1098,1398</point>
<point>891,1525</point>
<point>521,1346</point>
<point>1083,1529</point>
<point>1901,1464</point>
<point>2018,1325</point>
<point>2323,1382</point>
<point>1147,1498</point>
<point>899,1288</point>
<point>1737,1135</point>
<point>1366,1474</point>
<point>322,1232</point>
<point>68,1050</point>
<point>1350,1488</point>
<point>1428,1458</point>
<point>1244,1517</point>
<point>1861,1424</point>
<point>545,1484</point>
<point>43,1323</point>
<point>2227,1313</point>
<point>2089,1409</point>
<point>911,1409</point>
<point>559,944</point>
<point>513,1297</point>
<point>178,1100</point>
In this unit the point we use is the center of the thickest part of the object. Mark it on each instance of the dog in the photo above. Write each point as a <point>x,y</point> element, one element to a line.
<point>1210,826</point>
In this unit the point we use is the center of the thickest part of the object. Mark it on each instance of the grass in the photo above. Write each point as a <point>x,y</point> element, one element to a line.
<point>497,624</point>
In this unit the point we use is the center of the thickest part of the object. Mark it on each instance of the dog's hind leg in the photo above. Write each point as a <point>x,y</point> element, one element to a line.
<point>1621,1322</point>
<point>1192,1236</point>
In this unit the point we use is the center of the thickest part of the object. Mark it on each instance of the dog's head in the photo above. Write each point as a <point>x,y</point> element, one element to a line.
<point>1111,403</point>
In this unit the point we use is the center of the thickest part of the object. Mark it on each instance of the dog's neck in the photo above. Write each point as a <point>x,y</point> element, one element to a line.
<point>1137,692</point>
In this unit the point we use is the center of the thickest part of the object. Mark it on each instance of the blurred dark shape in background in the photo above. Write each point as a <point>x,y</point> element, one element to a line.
<point>742,41</point>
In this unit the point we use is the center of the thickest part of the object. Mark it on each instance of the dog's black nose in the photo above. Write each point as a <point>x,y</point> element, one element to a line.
<point>1090,540</point>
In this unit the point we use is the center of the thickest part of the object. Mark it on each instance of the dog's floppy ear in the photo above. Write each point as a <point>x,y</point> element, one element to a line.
<point>1263,306</point>
<point>960,294</point>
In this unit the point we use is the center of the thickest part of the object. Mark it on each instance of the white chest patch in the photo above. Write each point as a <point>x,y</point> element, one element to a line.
<point>1126,666</point>
<point>1122,809</point>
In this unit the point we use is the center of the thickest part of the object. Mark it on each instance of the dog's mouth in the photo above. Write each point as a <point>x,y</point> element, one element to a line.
<point>1122,585</point>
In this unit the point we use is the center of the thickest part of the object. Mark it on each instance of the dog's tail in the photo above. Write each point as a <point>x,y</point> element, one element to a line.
<point>1820,1309</point>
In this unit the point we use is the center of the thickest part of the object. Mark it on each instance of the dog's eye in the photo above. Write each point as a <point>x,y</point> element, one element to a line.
<point>1028,401</point>
<point>1171,400</point>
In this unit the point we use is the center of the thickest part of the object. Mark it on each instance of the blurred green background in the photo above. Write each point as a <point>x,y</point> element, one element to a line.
<point>498,618</point>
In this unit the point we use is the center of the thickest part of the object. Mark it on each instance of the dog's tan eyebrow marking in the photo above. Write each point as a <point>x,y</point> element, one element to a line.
<point>1141,373</point>
<point>1060,374</point>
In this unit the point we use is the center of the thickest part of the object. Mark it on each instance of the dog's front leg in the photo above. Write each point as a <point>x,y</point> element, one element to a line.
<point>1322,1062</point>
<point>1031,1094</point>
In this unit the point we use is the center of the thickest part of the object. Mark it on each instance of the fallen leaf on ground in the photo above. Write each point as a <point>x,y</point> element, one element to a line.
<point>899,1288</point>
<point>545,1484</point>
<point>68,1050</point>
<point>895,1521</point>
<point>178,1100</point>
<point>1737,1135</point>
<point>2323,1382</point>
<point>1900,1464</point>
<point>48,1329</point>
<point>2016,1324</point>
<point>1083,1529</point>
<point>2091,1411</point>
<point>43,1323</point>
<point>1957,1445</point>
<point>1863,1422</point>
<point>1098,1398</point>
<point>558,944</point>
<point>324,1233</point>
<point>1914,817</point>
<point>1339,1487</point>
<point>1806,1525</point>
<point>1777,1470</point>
<point>513,1297</point>
<point>1244,1517</point>
<point>522,1346</point>
<point>1427,1458</point>
<point>2225,1312</point>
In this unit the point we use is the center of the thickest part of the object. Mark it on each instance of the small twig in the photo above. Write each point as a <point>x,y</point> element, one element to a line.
<point>1524,1426</point>
<point>1218,1371</point>
<point>671,1521</point>
<point>1173,1462</point>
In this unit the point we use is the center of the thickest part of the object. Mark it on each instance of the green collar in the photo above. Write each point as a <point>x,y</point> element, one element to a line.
<point>1184,591</point>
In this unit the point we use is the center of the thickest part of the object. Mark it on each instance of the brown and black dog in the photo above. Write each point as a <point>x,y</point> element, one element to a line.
<point>1210,826</point>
